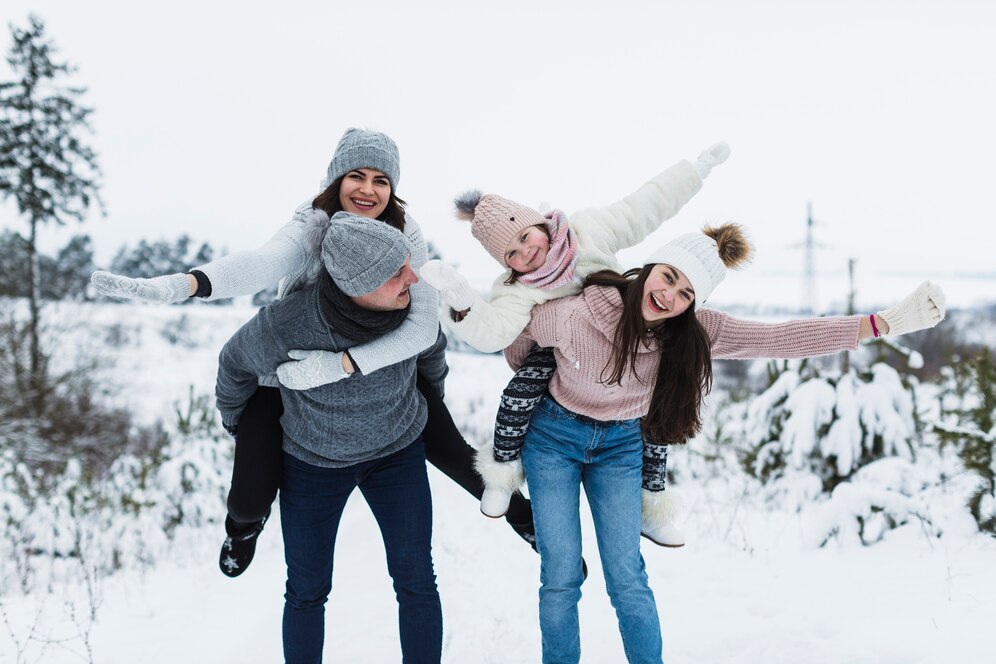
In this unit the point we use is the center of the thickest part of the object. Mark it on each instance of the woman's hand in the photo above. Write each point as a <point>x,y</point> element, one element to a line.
<point>923,308</point>
<point>313,368</point>
<point>169,289</point>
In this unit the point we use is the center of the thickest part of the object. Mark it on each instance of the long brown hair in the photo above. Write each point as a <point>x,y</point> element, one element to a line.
<point>328,200</point>
<point>684,365</point>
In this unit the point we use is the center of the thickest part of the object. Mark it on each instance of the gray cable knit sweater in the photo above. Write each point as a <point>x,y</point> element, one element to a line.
<point>338,424</point>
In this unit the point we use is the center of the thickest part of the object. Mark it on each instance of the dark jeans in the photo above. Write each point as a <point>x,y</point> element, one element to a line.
<point>258,457</point>
<point>311,504</point>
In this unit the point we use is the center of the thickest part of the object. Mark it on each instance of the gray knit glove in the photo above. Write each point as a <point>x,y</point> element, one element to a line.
<point>169,289</point>
<point>311,368</point>
<point>712,156</point>
<point>452,285</point>
<point>919,310</point>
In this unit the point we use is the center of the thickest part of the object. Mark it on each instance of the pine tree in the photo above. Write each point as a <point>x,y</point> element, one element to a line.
<point>841,447</point>
<point>45,165</point>
<point>73,267</point>
<point>971,426</point>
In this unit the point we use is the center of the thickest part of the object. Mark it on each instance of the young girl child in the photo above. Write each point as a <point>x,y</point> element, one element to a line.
<point>632,355</point>
<point>362,178</point>
<point>547,257</point>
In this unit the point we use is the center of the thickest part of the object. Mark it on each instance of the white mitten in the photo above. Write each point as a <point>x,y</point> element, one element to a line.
<point>311,368</point>
<point>452,285</point>
<point>170,289</point>
<point>919,310</point>
<point>714,155</point>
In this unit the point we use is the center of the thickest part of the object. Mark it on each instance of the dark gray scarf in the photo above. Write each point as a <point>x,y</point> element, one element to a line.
<point>346,318</point>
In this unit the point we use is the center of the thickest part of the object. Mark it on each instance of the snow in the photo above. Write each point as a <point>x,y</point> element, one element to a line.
<point>751,585</point>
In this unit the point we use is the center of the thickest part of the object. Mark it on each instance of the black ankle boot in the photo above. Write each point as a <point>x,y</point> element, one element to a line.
<point>527,531</point>
<point>239,546</point>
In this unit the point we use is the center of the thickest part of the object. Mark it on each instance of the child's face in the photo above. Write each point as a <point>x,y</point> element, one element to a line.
<point>666,293</point>
<point>527,251</point>
<point>365,191</point>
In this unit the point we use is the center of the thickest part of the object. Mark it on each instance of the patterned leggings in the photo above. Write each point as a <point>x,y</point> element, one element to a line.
<point>522,394</point>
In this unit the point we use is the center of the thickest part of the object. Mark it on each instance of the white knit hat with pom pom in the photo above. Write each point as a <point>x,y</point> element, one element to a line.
<point>704,257</point>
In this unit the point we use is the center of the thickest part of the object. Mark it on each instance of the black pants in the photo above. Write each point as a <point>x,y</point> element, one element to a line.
<point>259,457</point>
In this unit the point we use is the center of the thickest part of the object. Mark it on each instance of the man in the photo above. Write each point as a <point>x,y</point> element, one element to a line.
<point>364,432</point>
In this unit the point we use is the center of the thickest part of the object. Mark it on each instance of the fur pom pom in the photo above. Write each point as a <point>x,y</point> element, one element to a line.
<point>659,507</point>
<point>466,203</point>
<point>315,223</point>
<point>506,475</point>
<point>732,244</point>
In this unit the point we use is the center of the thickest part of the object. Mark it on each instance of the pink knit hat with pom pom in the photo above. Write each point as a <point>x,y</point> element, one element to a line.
<point>495,220</point>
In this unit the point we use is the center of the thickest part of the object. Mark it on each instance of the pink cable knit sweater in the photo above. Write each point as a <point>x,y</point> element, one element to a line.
<point>580,328</point>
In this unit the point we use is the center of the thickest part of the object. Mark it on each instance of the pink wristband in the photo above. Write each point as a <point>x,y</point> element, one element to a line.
<point>874,328</point>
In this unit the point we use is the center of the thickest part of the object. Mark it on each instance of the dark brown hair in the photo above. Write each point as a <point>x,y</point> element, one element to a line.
<point>684,365</point>
<point>512,278</point>
<point>328,200</point>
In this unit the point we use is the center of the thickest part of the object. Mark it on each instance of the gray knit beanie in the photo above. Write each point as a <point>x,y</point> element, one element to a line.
<point>362,254</point>
<point>359,148</point>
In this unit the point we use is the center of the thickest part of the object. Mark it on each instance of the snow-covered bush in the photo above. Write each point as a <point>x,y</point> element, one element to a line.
<point>830,426</point>
<point>126,519</point>
<point>828,440</point>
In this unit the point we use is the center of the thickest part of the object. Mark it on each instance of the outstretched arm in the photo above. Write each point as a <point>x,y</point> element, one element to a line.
<point>628,222</point>
<point>242,273</point>
<point>733,338</point>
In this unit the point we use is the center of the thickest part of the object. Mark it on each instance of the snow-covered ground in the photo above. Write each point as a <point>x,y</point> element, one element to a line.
<point>747,587</point>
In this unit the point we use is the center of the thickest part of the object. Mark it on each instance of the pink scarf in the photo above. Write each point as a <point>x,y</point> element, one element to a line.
<point>558,268</point>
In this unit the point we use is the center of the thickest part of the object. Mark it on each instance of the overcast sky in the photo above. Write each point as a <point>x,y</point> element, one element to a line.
<point>217,118</point>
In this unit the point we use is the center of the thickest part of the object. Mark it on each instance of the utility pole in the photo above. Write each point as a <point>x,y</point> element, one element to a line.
<point>845,357</point>
<point>809,266</point>
<point>809,246</point>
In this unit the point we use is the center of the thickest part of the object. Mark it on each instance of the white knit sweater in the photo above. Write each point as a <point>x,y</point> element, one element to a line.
<point>601,232</point>
<point>293,258</point>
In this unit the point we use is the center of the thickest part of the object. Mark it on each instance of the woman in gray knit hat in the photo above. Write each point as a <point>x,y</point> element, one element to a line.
<point>362,179</point>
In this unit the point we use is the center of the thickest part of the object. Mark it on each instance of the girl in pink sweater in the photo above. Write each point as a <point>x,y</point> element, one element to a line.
<point>633,362</point>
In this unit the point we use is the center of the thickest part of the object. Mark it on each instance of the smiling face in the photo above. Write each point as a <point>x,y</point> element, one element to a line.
<point>666,293</point>
<point>526,252</point>
<point>392,294</point>
<point>365,191</point>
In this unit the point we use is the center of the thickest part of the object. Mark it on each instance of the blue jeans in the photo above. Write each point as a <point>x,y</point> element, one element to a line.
<point>311,502</point>
<point>563,451</point>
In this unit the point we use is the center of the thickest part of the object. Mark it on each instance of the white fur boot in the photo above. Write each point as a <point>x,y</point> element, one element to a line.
<point>501,480</point>
<point>657,523</point>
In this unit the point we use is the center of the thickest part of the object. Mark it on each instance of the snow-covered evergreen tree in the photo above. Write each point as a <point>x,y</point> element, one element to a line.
<point>840,447</point>
<point>45,165</point>
<point>968,420</point>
